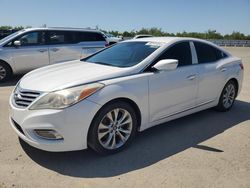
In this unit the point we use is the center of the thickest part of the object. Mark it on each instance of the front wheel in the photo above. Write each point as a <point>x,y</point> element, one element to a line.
<point>5,72</point>
<point>227,97</point>
<point>113,128</point>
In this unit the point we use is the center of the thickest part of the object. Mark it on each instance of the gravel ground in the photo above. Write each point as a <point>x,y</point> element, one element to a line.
<point>206,149</point>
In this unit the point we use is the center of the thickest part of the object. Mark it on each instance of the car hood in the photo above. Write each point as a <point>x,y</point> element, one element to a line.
<point>72,73</point>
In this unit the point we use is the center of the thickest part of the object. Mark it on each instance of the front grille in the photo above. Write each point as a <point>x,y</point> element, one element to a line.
<point>18,127</point>
<point>23,98</point>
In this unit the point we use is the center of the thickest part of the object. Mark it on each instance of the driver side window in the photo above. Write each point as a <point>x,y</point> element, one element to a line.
<point>30,39</point>
<point>180,51</point>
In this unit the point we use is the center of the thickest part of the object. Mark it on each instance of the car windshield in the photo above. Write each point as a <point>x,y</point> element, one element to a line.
<point>109,35</point>
<point>10,36</point>
<point>125,54</point>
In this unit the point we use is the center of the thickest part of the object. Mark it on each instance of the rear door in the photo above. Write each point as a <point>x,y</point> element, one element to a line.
<point>211,74</point>
<point>90,42</point>
<point>63,46</point>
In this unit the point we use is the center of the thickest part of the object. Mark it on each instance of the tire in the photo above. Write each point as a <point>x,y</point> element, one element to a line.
<point>5,72</point>
<point>227,96</point>
<point>106,135</point>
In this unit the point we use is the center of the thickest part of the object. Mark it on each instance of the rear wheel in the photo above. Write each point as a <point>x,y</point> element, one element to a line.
<point>227,97</point>
<point>5,72</point>
<point>113,128</point>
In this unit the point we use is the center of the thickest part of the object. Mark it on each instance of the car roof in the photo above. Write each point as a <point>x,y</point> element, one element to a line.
<point>167,39</point>
<point>62,29</point>
<point>170,40</point>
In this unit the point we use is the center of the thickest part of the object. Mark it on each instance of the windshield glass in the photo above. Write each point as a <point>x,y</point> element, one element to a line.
<point>109,35</point>
<point>9,36</point>
<point>125,54</point>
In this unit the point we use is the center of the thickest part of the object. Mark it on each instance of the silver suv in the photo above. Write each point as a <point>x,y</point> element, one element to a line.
<point>32,48</point>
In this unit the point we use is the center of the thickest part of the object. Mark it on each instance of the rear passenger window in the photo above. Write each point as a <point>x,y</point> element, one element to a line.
<point>220,54</point>
<point>90,36</point>
<point>181,52</point>
<point>207,53</point>
<point>61,37</point>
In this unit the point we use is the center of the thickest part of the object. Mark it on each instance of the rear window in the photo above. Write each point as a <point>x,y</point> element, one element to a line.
<point>89,36</point>
<point>207,53</point>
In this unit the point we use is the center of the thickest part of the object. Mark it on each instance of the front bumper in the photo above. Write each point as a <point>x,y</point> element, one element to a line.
<point>72,123</point>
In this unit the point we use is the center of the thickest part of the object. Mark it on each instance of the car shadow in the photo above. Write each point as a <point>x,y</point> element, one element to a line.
<point>149,147</point>
<point>12,81</point>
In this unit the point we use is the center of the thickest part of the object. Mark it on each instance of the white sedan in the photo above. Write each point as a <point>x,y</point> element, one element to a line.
<point>112,39</point>
<point>101,101</point>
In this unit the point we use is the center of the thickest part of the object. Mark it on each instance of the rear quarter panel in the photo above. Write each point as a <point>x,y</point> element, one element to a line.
<point>233,71</point>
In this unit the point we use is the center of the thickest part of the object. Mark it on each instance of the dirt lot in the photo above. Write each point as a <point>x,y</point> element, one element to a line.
<point>207,149</point>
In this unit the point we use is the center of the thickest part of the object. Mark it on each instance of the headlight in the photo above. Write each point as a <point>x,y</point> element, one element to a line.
<point>66,97</point>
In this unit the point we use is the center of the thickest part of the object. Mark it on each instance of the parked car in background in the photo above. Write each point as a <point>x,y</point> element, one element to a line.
<point>32,48</point>
<point>102,101</point>
<point>112,39</point>
<point>142,36</point>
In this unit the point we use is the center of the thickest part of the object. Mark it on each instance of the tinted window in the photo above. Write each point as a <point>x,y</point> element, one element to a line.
<point>30,39</point>
<point>207,53</point>
<point>89,36</point>
<point>123,54</point>
<point>181,52</point>
<point>219,54</point>
<point>61,37</point>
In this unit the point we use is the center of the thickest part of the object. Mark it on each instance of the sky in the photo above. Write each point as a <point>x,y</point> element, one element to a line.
<point>224,16</point>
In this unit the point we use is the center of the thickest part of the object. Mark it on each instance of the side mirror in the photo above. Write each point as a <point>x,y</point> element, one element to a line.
<point>17,43</point>
<point>166,64</point>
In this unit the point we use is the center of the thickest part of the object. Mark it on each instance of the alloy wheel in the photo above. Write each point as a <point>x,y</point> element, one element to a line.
<point>115,128</point>
<point>229,96</point>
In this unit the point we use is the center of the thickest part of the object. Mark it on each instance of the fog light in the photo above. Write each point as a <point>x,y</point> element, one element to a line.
<point>48,134</point>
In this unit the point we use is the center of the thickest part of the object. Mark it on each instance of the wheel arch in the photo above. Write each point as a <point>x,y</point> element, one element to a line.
<point>220,107</point>
<point>232,78</point>
<point>236,83</point>
<point>124,99</point>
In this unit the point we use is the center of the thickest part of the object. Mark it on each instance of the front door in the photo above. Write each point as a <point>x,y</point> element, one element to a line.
<point>32,52</point>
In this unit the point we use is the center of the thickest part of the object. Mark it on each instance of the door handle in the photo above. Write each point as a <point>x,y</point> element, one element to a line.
<point>191,77</point>
<point>42,50</point>
<point>54,49</point>
<point>223,69</point>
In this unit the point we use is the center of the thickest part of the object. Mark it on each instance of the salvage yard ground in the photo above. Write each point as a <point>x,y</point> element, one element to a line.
<point>206,149</point>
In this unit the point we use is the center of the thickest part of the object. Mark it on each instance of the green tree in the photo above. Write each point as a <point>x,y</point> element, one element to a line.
<point>238,36</point>
<point>5,27</point>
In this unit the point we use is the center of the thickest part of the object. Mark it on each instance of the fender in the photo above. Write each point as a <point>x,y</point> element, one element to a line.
<point>121,87</point>
<point>5,55</point>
